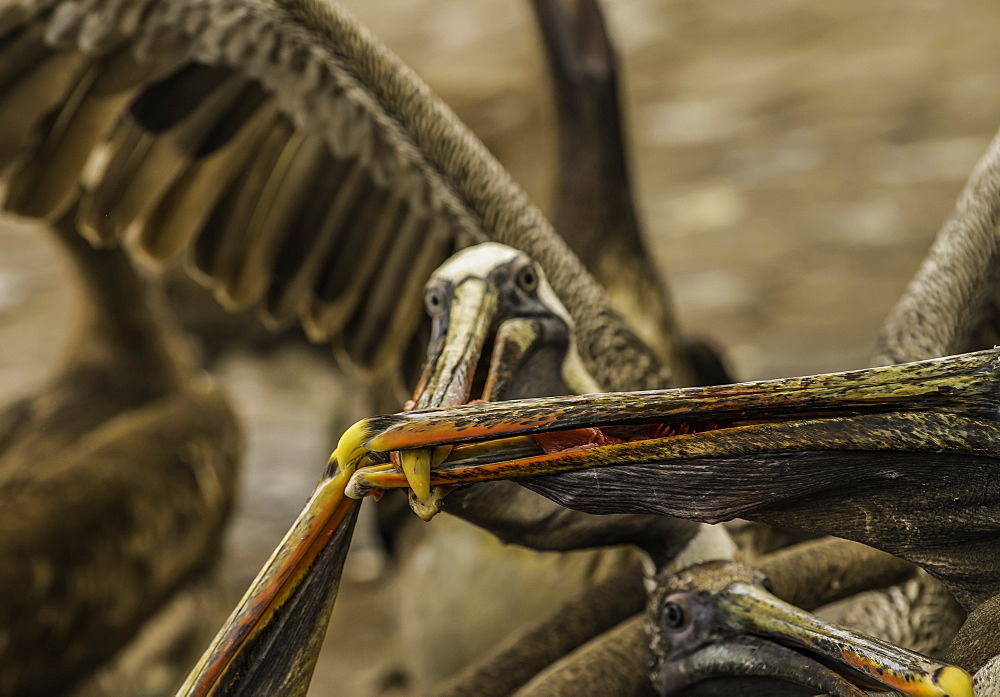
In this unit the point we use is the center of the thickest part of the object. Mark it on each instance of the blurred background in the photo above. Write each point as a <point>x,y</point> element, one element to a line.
<point>793,160</point>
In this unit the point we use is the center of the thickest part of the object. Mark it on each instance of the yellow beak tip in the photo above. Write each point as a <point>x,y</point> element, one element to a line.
<point>425,509</point>
<point>955,682</point>
<point>416,465</point>
<point>352,444</point>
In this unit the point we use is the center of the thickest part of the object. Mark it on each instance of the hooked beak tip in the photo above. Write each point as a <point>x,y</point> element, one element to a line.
<point>955,682</point>
<point>352,444</point>
<point>416,465</point>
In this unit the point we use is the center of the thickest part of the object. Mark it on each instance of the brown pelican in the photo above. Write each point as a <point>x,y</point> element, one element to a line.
<point>267,144</point>
<point>560,656</point>
<point>499,331</point>
<point>716,630</point>
<point>894,457</point>
<point>130,444</point>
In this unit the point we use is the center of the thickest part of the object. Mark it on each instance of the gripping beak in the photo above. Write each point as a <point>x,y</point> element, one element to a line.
<point>269,645</point>
<point>475,352</point>
<point>944,404</point>
<point>458,341</point>
<point>744,631</point>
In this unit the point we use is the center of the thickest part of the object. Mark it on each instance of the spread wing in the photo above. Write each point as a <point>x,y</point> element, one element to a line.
<point>292,162</point>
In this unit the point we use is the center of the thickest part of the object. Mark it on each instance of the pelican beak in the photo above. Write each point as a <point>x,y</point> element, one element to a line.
<point>476,351</point>
<point>744,632</point>
<point>269,645</point>
<point>943,405</point>
<point>458,341</point>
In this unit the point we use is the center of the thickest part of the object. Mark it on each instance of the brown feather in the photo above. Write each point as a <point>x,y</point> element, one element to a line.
<point>280,204</point>
<point>171,227</point>
<point>218,245</point>
<point>299,260</point>
<point>33,81</point>
<point>135,180</point>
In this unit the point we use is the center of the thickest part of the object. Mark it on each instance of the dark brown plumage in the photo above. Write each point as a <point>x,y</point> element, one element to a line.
<point>116,477</point>
<point>900,458</point>
<point>268,144</point>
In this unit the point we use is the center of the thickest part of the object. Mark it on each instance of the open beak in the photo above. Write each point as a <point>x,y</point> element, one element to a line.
<point>269,645</point>
<point>943,405</point>
<point>745,632</point>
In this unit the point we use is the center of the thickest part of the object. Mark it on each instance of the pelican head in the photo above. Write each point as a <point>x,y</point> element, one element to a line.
<point>715,629</point>
<point>498,332</point>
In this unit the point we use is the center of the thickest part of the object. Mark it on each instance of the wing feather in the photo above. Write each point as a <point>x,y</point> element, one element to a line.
<point>181,214</point>
<point>221,242</point>
<point>295,163</point>
<point>46,179</point>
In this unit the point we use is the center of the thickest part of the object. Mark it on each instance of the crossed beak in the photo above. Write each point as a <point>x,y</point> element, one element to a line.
<point>743,632</point>
<point>270,643</point>
<point>932,406</point>
<point>944,405</point>
<point>475,353</point>
<point>273,638</point>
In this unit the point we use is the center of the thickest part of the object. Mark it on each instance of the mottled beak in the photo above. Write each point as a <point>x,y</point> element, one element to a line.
<point>498,332</point>
<point>649,439</point>
<point>743,638</point>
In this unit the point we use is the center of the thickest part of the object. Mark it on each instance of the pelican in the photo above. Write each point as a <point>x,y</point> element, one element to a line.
<point>899,457</point>
<point>560,656</point>
<point>715,629</point>
<point>499,331</point>
<point>265,145</point>
<point>116,475</point>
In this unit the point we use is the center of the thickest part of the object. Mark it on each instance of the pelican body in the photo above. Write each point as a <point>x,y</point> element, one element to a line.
<point>116,479</point>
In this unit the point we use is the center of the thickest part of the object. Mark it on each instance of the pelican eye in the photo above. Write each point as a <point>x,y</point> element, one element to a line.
<point>526,278</point>
<point>434,300</point>
<point>674,616</point>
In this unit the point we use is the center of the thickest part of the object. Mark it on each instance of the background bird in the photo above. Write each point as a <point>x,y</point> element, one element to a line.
<point>117,475</point>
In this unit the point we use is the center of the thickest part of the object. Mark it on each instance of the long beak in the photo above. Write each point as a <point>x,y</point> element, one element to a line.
<point>269,645</point>
<point>450,369</point>
<point>469,354</point>
<point>940,405</point>
<point>824,656</point>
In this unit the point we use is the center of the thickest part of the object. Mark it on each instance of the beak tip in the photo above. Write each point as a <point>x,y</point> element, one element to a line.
<point>427,508</point>
<point>416,465</point>
<point>955,682</point>
<point>351,444</point>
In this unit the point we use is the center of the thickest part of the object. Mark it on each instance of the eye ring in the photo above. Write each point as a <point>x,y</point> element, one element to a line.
<point>674,615</point>
<point>526,277</point>
<point>434,301</point>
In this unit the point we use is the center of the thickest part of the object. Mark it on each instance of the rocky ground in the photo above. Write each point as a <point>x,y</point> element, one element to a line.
<point>793,158</point>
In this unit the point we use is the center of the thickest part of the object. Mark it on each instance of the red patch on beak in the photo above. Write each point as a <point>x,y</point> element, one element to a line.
<point>583,438</point>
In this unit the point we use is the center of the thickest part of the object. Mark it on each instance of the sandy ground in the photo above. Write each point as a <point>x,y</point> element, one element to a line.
<point>793,158</point>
